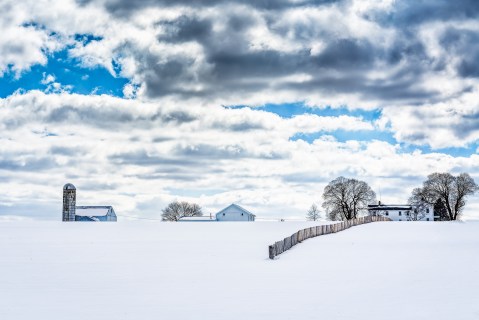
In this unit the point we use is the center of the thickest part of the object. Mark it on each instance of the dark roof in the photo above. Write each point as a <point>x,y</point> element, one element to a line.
<point>83,218</point>
<point>69,186</point>
<point>377,207</point>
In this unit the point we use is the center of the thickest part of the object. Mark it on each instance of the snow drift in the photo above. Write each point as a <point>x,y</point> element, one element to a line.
<point>146,270</point>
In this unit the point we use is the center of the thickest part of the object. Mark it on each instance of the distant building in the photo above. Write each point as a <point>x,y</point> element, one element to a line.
<point>234,213</point>
<point>95,213</point>
<point>399,212</point>
<point>72,212</point>
<point>69,202</point>
<point>197,219</point>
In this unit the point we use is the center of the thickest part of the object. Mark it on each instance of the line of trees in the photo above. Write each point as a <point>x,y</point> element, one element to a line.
<point>446,192</point>
<point>345,199</point>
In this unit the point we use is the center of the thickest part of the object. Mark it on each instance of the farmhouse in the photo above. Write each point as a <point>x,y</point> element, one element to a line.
<point>71,212</point>
<point>234,213</point>
<point>401,212</point>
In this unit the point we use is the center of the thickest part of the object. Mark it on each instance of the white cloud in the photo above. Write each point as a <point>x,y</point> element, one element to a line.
<point>18,56</point>
<point>138,156</point>
<point>449,123</point>
<point>185,61</point>
<point>47,79</point>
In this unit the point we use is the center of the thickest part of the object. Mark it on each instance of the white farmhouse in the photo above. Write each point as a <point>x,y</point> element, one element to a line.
<point>234,213</point>
<point>401,212</point>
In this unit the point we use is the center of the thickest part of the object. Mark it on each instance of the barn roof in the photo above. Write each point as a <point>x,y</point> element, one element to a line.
<point>92,211</point>
<point>235,206</point>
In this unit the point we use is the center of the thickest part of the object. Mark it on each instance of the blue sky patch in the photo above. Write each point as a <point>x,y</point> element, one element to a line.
<point>289,110</point>
<point>454,152</point>
<point>343,136</point>
<point>69,73</point>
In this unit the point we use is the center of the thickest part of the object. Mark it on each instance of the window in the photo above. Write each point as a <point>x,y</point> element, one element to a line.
<point>242,214</point>
<point>427,219</point>
<point>427,210</point>
<point>399,212</point>
<point>400,220</point>
<point>387,213</point>
<point>223,214</point>
<point>407,213</point>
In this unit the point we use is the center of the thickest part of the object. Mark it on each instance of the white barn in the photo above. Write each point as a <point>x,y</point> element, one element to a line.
<point>95,213</point>
<point>401,212</point>
<point>234,212</point>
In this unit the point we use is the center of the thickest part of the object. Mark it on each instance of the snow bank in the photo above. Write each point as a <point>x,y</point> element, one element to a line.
<point>146,270</point>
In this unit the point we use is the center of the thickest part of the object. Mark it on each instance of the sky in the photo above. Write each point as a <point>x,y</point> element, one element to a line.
<point>259,103</point>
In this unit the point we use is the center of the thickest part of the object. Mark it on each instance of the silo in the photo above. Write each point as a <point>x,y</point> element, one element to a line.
<point>69,202</point>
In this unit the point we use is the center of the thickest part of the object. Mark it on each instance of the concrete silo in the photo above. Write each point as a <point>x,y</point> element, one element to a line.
<point>69,202</point>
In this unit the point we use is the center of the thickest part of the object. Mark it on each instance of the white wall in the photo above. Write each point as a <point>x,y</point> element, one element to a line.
<point>402,215</point>
<point>397,215</point>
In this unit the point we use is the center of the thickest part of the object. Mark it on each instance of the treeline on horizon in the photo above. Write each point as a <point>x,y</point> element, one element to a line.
<point>346,198</point>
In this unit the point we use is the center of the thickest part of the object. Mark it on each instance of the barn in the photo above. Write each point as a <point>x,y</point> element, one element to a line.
<point>234,212</point>
<point>95,213</point>
<point>72,212</point>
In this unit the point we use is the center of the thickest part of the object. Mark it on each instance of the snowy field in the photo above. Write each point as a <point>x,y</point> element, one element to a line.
<point>147,270</point>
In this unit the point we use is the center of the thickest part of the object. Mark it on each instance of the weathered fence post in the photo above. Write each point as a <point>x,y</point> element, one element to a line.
<point>271,252</point>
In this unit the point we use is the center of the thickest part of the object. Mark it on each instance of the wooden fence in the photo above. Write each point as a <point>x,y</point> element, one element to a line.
<point>287,243</point>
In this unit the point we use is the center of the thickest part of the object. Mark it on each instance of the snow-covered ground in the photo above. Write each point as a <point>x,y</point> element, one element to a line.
<point>147,270</point>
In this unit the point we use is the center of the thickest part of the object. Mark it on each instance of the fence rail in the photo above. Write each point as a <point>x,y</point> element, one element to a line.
<point>287,243</point>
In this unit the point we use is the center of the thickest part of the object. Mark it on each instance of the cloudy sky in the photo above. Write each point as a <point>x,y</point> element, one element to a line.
<point>260,103</point>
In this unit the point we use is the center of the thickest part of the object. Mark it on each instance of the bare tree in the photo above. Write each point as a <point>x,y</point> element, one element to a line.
<point>451,190</point>
<point>344,198</point>
<point>313,213</point>
<point>176,210</point>
<point>440,211</point>
<point>419,205</point>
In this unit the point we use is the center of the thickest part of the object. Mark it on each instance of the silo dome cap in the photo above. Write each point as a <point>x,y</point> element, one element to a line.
<point>69,186</point>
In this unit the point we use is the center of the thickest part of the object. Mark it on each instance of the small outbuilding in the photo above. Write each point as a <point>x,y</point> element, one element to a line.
<point>235,213</point>
<point>196,219</point>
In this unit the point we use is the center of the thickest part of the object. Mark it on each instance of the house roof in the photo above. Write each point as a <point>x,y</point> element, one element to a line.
<point>92,211</point>
<point>377,207</point>
<point>235,206</point>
